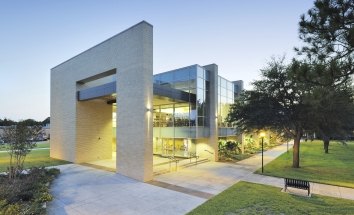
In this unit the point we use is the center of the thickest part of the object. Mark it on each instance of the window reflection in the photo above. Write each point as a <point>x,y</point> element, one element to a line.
<point>226,98</point>
<point>194,80</point>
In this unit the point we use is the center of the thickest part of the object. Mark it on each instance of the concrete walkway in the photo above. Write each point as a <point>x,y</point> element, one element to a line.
<point>85,190</point>
<point>215,177</point>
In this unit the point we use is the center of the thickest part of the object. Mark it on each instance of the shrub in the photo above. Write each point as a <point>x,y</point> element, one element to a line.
<point>227,149</point>
<point>27,193</point>
<point>12,209</point>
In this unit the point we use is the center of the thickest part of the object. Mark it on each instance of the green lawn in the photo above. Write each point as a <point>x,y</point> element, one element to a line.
<point>35,158</point>
<point>249,198</point>
<point>336,168</point>
<point>42,144</point>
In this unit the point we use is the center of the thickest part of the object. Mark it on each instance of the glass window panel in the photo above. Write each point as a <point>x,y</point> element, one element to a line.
<point>181,75</point>
<point>200,72</point>
<point>229,86</point>
<point>200,83</point>
<point>201,110</point>
<point>223,82</point>
<point>223,100</point>
<point>207,85</point>
<point>223,92</point>
<point>167,78</point>
<point>206,104</point>
<point>192,73</point>
<point>181,115</point>
<point>192,115</point>
<point>156,116</point>
<point>207,75</point>
<point>200,121</point>
<point>193,91</point>
<point>193,83</point>
<point>200,96</point>
<point>166,116</point>
<point>230,94</point>
<point>206,121</point>
<point>157,79</point>
<point>200,102</point>
<point>181,85</point>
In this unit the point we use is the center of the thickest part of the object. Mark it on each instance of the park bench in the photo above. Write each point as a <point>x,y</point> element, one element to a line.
<point>297,183</point>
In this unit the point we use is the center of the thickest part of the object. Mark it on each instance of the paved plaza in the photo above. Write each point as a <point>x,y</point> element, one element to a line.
<point>85,190</point>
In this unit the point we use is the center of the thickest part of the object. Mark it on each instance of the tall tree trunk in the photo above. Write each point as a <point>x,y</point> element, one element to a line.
<point>296,149</point>
<point>325,144</point>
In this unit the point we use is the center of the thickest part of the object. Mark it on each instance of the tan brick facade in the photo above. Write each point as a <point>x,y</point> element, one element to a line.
<point>80,130</point>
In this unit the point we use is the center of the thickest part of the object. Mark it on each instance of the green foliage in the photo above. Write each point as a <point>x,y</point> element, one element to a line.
<point>12,209</point>
<point>336,168</point>
<point>228,149</point>
<point>27,193</point>
<point>331,112</point>
<point>20,141</point>
<point>328,32</point>
<point>328,29</point>
<point>28,122</point>
<point>275,103</point>
<point>250,198</point>
<point>34,158</point>
<point>251,146</point>
<point>7,122</point>
<point>46,121</point>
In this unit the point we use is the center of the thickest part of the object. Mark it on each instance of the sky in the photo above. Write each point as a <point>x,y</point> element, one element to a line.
<point>239,36</point>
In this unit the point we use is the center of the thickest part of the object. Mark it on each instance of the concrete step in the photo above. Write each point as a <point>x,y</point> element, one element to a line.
<point>185,163</point>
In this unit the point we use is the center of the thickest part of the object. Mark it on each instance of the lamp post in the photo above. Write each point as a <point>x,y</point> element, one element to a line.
<point>262,134</point>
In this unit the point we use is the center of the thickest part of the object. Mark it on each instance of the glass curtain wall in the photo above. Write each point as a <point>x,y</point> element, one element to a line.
<point>226,98</point>
<point>172,130</point>
<point>203,96</point>
<point>175,123</point>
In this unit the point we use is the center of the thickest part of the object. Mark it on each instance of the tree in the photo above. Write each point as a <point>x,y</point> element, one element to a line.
<point>46,121</point>
<point>332,112</point>
<point>331,99</point>
<point>328,32</point>
<point>30,122</point>
<point>20,141</point>
<point>276,103</point>
<point>328,29</point>
<point>7,122</point>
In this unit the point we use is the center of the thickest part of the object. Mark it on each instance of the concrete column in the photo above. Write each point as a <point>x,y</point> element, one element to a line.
<point>213,107</point>
<point>134,107</point>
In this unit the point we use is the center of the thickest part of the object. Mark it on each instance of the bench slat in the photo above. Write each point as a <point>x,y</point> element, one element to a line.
<point>297,183</point>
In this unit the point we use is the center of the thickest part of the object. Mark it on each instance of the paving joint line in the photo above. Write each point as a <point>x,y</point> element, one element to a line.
<point>180,189</point>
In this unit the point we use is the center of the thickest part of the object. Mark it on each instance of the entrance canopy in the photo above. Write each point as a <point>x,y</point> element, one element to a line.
<point>109,89</point>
